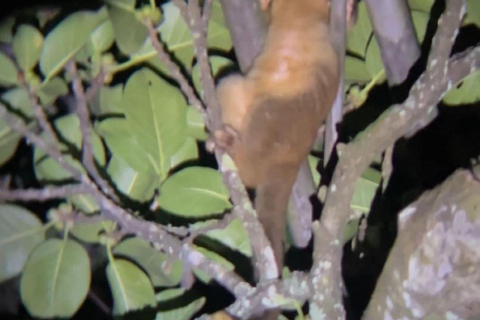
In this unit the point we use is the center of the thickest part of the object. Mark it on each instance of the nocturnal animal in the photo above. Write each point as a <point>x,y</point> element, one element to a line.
<point>271,114</point>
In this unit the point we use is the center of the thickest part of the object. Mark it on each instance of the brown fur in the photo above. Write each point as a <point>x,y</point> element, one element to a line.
<point>276,109</point>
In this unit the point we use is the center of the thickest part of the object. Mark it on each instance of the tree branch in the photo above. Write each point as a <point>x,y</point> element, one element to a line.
<point>175,70</point>
<point>395,34</point>
<point>47,193</point>
<point>415,113</point>
<point>86,129</point>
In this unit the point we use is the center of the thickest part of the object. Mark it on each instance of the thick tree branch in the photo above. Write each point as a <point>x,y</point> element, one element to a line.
<point>433,268</point>
<point>415,113</point>
<point>248,29</point>
<point>396,37</point>
<point>338,32</point>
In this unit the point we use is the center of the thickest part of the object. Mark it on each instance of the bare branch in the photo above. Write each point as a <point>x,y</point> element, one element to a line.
<point>51,149</point>
<point>215,225</point>
<point>86,129</point>
<point>47,193</point>
<point>300,208</point>
<point>199,27</point>
<point>95,85</point>
<point>42,119</point>
<point>262,250</point>
<point>207,12</point>
<point>266,296</point>
<point>175,70</point>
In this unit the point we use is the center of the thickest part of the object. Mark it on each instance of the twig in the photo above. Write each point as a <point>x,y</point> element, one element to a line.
<point>162,240</point>
<point>207,12</point>
<point>95,85</point>
<point>219,224</point>
<point>47,193</point>
<point>83,114</point>
<point>99,302</point>
<point>42,119</point>
<point>19,126</point>
<point>175,70</point>
<point>199,27</point>
<point>295,288</point>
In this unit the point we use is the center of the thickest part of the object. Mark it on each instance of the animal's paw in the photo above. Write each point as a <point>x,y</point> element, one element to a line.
<point>223,139</point>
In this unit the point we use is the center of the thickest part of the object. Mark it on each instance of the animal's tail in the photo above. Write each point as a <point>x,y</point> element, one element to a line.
<point>271,204</point>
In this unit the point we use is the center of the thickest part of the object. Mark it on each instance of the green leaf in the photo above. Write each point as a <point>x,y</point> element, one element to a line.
<point>358,36</point>
<point>49,91</point>
<point>365,190</point>
<point>48,169</point>
<point>20,232</point>
<point>9,141</point>
<point>84,203</point>
<point>131,288</point>
<point>103,37</point>
<point>156,112</point>
<point>218,34</point>
<point>27,46</point>
<point>196,124</point>
<point>65,40</point>
<point>313,163</point>
<point>373,59</point>
<point>465,91</point>
<point>125,4</point>
<point>194,192</point>
<point>46,14</point>
<point>56,279</point>
<point>421,5</point>
<point>90,232</point>
<point>108,100</point>
<point>8,71</point>
<point>18,99</point>
<point>182,313</point>
<point>202,276</point>
<point>420,21</point>
<point>189,151</point>
<point>473,12</point>
<point>169,294</point>
<point>130,33</point>
<point>233,236</point>
<point>136,185</point>
<point>6,26</point>
<point>122,144</point>
<point>152,261</point>
<point>356,70</point>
